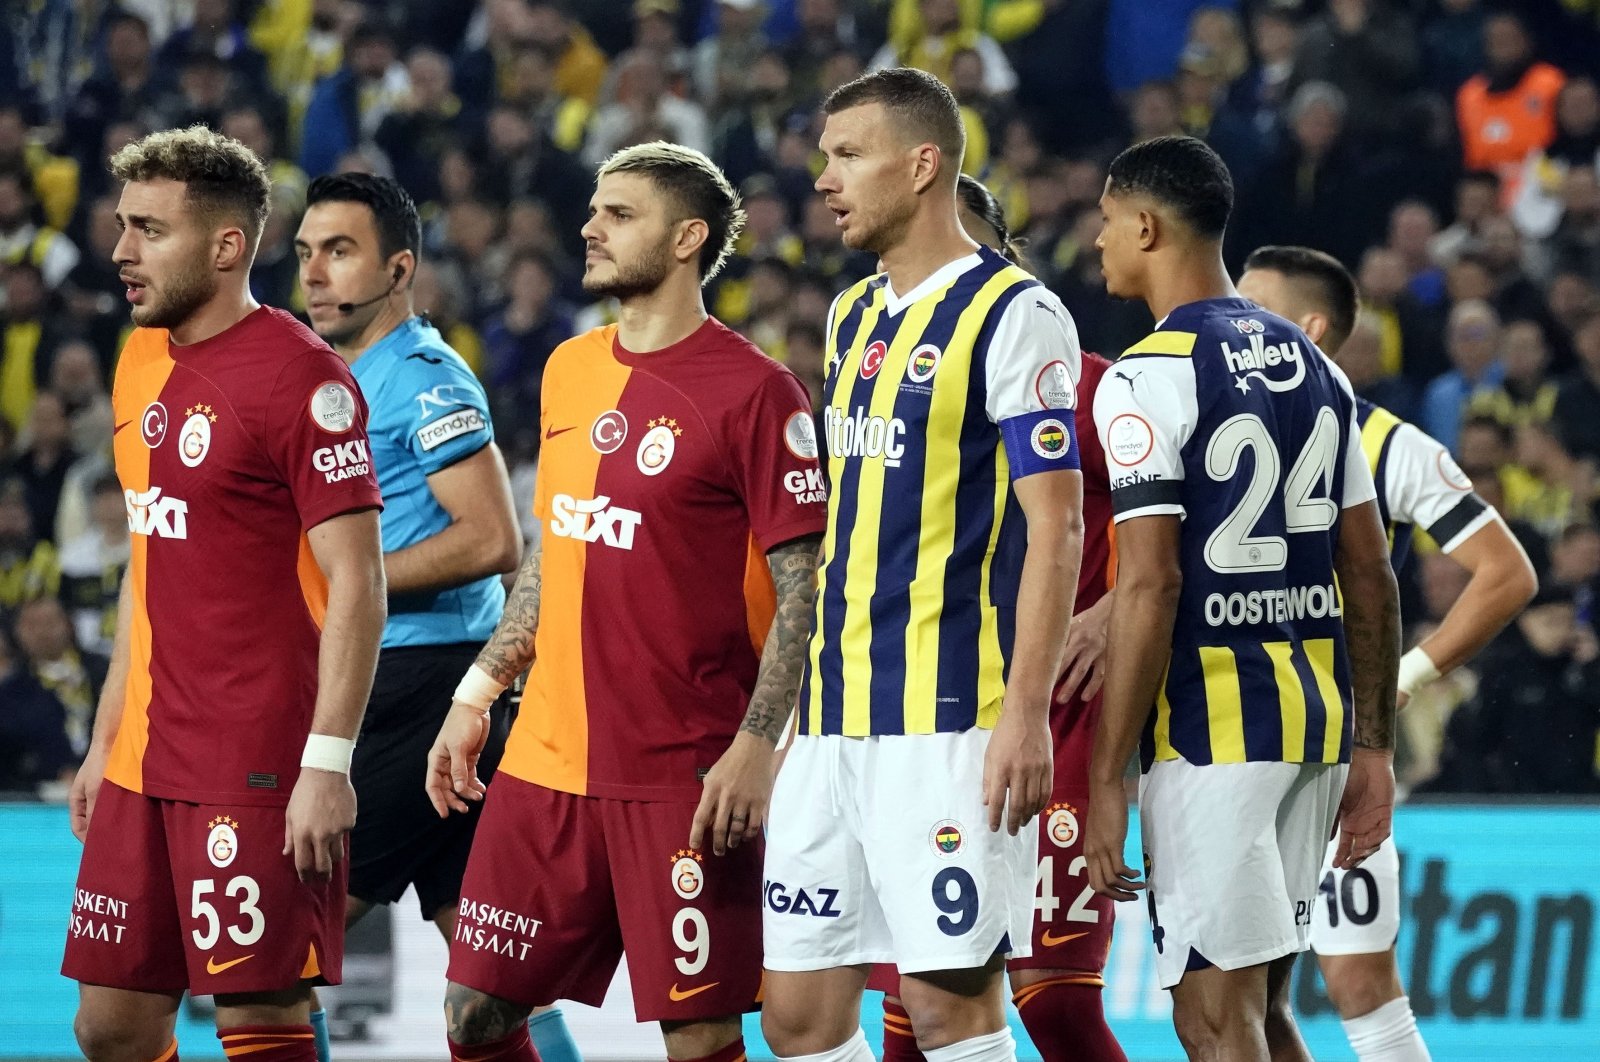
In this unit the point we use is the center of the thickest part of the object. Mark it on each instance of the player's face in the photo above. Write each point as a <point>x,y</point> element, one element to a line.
<point>628,238</point>
<point>868,182</point>
<point>341,262</point>
<point>1122,226</point>
<point>165,254</point>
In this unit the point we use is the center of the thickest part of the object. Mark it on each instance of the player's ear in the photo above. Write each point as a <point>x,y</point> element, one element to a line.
<point>1314,325</point>
<point>927,163</point>
<point>692,235</point>
<point>232,249</point>
<point>1149,230</point>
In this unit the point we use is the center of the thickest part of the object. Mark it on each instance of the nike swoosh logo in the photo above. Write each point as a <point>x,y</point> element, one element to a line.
<point>214,967</point>
<point>119,427</point>
<point>677,995</point>
<point>551,433</point>
<point>1050,940</point>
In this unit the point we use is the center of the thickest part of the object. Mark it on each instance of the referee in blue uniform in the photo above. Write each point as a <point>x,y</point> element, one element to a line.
<point>449,533</point>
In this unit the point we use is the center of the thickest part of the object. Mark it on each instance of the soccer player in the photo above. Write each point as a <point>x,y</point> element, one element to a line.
<point>1241,493</point>
<point>950,560</point>
<point>665,616</point>
<point>1058,989</point>
<point>449,531</point>
<point>1353,928</point>
<point>215,800</point>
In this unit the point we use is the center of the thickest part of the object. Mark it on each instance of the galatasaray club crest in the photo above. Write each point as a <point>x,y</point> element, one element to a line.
<point>1061,823</point>
<point>947,838</point>
<point>195,440</point>
<point>687,878</point>
<point>222,843</point>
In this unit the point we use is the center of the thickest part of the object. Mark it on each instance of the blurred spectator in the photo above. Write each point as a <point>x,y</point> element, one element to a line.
<point>930,40</point>
<point>747,136</point>
<point>1472,339</point>
<point>29,335</point>
<point>1532,726</point>
<point>93,292</point>
<point>75,676</point>
<point>23,238</point>
<point>216,31</point>
<point>1574,246</point>
<point>275,271</point>
<point>826,30</point>
<point>580,64</point>
<point>440,294</point>
<point>1526,393</point>
<point>43,464</point>
<point>1515,293</point>
<point>60,40</point>
<point>347,108</point>
<point>472,248</point>
<point>1572,299</point>
<point>722,62</point>
<point>1575,561</point>
<point>1477,197</point>
<point>1407,329</point>
<point>1047,73</point>
<point>532,89</point>
<point>1508,109</point>
<point>1260,95</point>
<point>248,124</point>
<point>1144,40</point>
<point>34,747</point>
<point>303,43</point>
<point>1577,140</point>
<point>123,88</point>
<point>28,563</point>
<point>805,349</point>
<point>644,110</point>
<point>53,179</point>
<point>1577,408</point>
<point>205,89</point>
<point>522,162</point>
<point>655,34</point>
<point>982,114</point>
<point>519,339</point>
<point>76,379</point>
<point>1369,53</point>
<point>1203,82</point>
<point>1413,227</point>
<point>1452,44</point>
<point>1156,110</point>
<point>1553,488</point>
<point>1361,358</point>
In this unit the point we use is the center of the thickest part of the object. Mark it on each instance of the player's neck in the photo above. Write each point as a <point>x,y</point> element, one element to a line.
<point>219,314</point>
<point>392,315</point>
<point>1188,276</point>
<point>657,319</point>
<point>930,243</point>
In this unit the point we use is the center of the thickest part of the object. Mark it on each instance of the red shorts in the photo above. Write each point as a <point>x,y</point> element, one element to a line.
<point>1072,923</point>
<point>175,896</point>
<point>559,886</point>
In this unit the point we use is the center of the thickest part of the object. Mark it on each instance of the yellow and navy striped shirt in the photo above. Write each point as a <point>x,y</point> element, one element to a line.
<point>924,543</point>
<point>1419,484</point>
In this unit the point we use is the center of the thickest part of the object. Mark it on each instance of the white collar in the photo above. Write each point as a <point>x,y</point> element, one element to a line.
<point>937,279</point>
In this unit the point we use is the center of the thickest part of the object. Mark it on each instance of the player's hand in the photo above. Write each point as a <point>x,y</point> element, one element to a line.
<point>1017,769</point>
<point>1083,665</point>
<point>452,777</point>
<point>1366,812</point>
<point>85,788</point>
<point>1105,838</point>
<point>322,809</point>
<point>733,802</point>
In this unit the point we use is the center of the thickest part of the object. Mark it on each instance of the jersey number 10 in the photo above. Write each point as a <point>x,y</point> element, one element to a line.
<point>1232,548</point>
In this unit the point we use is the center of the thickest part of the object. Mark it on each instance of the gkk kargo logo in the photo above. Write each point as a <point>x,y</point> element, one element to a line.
<point>864,436</point>
<point>342,461</point>
<point>593,520</point>
<point>150,514</point>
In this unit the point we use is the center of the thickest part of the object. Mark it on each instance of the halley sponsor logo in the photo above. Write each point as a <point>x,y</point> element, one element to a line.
<point>806,486</point>
<point>152,515</point>
<point>818,902</point>
<point>438,432</point>
<point>858,435</point>
<point>333,407</point>
<point>1260,355</point>
<point>1273,606</point>
<point>344,461</point>
<point>593,520</point>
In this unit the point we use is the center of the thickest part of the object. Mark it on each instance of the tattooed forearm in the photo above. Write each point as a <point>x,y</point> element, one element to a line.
<point>1372,638</point>
<point>510,648</point>
<point>794,573</point>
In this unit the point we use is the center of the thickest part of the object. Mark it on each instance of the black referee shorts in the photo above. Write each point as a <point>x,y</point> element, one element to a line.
<point>399,840</point>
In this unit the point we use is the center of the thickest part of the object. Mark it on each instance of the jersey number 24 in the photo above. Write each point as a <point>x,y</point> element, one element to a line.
<point>1233,548</point>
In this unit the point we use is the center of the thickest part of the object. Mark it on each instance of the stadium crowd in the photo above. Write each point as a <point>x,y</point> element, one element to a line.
<point>1445,150</point>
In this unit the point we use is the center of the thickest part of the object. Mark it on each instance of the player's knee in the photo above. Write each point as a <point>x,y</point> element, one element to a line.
<point>1360,984</point>
<point>793,1030</point>
<point>472,1017</point>
<point>103,1038</point>
<point>1206,1027</point>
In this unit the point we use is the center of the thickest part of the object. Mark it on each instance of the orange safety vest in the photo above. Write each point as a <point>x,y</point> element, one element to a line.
<point>1498,130</point>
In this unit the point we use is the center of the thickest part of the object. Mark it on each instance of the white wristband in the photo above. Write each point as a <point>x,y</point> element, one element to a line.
<point>478,689</point>
<point>1417,669</point>
<point>328,753</point>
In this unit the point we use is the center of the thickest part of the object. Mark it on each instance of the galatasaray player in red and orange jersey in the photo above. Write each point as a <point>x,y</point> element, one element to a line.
<point>1057,989</point>
<point>215,799</point>
<point>665,617</point>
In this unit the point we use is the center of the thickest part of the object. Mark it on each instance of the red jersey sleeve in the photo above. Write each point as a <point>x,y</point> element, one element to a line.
<point>773,455</point>
<point>317,437</point>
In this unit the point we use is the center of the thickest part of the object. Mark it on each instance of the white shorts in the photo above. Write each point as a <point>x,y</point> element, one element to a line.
<point>879,851</point>
<point>1231,852</point>
<point>1358,912</point>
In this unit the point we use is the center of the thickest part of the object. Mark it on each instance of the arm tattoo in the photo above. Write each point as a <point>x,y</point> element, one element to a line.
<point>794,573</point>
<point>1372,637</point>
<point>510,648</point>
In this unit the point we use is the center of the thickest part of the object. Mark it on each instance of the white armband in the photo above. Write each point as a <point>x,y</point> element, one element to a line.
<point>328,753</point>
<point>1417,669</point>
<point>478,689</point>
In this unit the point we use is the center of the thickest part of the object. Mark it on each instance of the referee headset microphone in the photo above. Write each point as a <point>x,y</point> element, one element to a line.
<point>348,308</point>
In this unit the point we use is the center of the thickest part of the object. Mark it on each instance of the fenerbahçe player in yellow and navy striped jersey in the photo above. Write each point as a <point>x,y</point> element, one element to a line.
<point>1229,417</point>
<point>925,538</point>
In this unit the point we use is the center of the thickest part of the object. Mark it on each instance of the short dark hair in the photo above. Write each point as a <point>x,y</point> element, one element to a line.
<point>696,186</point>
<point>221,176</point>
<point>1501,429</point>
<point>977,198</point>
<point>394,214</point>
<point>918,102</point>
<point>1330,283</point>
<point>1181,172</point>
